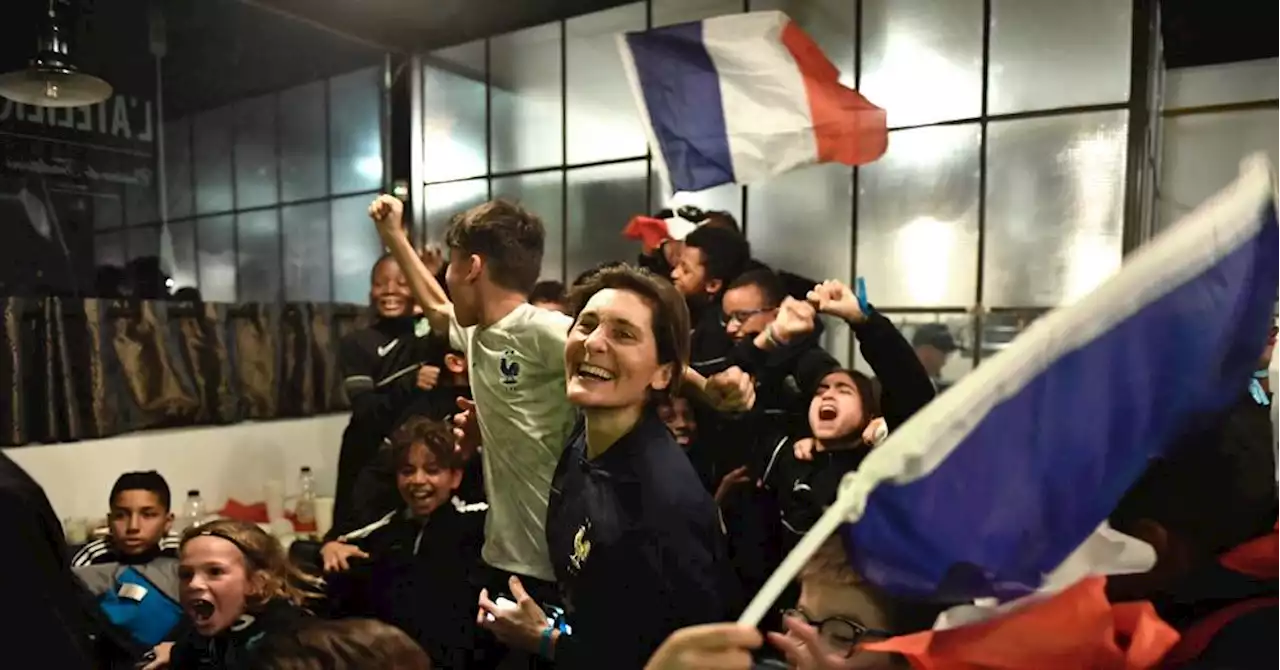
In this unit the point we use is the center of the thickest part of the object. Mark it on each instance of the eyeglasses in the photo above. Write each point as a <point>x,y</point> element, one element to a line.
<point>841,635</point>
<point>742,315</point>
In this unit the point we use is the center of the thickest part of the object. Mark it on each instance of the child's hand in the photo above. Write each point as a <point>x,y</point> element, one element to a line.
<point>337,554</point>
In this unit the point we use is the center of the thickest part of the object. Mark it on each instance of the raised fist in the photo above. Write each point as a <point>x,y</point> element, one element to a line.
<point>795,319</point>
<point>834,298</point>
<point>387,212</point>
<point>731,391</point>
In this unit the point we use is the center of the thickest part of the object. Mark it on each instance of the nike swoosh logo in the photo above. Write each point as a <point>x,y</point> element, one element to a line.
<point>382,350</point>
<point>800,486</point>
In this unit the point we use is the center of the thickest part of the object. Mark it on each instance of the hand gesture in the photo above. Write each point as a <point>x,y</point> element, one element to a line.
<point>724,646</point>
<point>731,391</point>
<point>466,429</point>
<point>387,212</point>
<point>433,257</point>
<point>336,556</point>
<point>795,319</point>
<point>875,432</point>
<point>803,449</point>
<point>805,651</point>
<point>159,656</point>
<point>428,376</point>
<point>834,298</point>
<point>731,481</point>
<point>519,627</point>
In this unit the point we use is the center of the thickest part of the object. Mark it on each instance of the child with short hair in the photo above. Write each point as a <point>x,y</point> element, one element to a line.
<point>133,572</point>
<point>422,557</point>
<point>139,521</point>
<point>237,586</point>
<point>837,613</point>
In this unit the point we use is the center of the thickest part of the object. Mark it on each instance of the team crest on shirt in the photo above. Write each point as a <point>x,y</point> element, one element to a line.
<point>581,547</point>
<point>509,368</point>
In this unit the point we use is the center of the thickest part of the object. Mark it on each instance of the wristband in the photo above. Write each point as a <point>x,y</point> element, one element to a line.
<point>860,292</point>
<point>544,646</point>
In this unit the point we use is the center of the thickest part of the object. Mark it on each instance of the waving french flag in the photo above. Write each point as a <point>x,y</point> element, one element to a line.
<point>991,487</point>
<point>743,97</point>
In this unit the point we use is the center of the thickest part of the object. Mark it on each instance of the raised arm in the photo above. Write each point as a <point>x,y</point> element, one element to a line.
<point>905,386</point>
<point>387,212</point>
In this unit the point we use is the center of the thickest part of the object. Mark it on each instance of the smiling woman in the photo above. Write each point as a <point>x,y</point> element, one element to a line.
<point>634,537</point>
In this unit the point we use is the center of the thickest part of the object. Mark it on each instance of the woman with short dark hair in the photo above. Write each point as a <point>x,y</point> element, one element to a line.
<point>634,537</point>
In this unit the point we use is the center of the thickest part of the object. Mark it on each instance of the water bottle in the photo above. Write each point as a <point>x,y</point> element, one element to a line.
<point>193,512</point>
<point>305,511</point>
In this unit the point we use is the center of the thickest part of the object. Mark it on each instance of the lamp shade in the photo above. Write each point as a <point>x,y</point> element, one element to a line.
<point>53,87</point>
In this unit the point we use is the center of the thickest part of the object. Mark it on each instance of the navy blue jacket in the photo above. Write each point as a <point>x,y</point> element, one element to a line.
<point>419,578</point>
<point>637,547</point>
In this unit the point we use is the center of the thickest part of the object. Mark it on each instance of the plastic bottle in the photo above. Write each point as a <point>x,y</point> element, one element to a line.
<point>193,512</point>
<point>305,511</point>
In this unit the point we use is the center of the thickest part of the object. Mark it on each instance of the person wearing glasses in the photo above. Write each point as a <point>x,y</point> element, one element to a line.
<point>837,613</point>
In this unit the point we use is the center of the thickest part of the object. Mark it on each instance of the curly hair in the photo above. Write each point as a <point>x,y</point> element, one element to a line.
<point>268,566</point>
<point>435,435</point>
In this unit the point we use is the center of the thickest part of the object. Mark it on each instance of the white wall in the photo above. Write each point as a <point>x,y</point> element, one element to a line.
<point>1202,146</point>
<point>221,461</point>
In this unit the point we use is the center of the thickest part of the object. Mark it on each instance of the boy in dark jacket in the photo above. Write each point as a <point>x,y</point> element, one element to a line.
<point>389,369</point>
<point>415,566</point>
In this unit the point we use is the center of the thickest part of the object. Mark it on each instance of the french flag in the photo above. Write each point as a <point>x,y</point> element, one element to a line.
<point>993,485</point>
<point>743,97</point>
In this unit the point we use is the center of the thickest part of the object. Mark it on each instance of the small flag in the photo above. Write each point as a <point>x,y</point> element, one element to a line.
<point>653,232</point>
<point>743,97</point>
<point>994,484</point>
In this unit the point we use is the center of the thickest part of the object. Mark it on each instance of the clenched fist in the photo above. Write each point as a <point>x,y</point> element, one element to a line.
<point>731,391</point>
<point>795,319</point>
<point>834,298</point>
<point>428,377</point>
<point>387,212</point>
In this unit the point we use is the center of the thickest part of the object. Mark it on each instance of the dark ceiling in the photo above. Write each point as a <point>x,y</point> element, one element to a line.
<point>415,25</point>
<point>224,50</point>
<point>1196,32</point>
<point>1199,32</point>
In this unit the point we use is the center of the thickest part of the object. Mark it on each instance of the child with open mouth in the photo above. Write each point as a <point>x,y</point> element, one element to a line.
<point>237,586</point>
<point>414,567</point>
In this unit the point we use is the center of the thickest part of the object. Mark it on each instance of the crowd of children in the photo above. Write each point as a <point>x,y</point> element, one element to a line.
<point>596,480</point>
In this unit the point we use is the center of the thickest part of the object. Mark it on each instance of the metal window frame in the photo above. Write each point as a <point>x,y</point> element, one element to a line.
<point>195,218</point>
<point>1139,79</point>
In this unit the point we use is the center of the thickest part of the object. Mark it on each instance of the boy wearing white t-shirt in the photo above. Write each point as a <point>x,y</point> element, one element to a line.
<point>515,355</point>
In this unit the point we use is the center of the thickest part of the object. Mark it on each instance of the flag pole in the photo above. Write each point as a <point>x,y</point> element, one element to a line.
<point>845,508</point>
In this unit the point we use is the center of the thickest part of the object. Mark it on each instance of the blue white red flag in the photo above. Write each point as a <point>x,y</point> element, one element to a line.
<point>989,488</point>
<point>743,97</point>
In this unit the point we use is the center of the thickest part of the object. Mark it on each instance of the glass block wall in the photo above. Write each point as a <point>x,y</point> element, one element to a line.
<point>266,197</point>
<point>1002,193</point>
